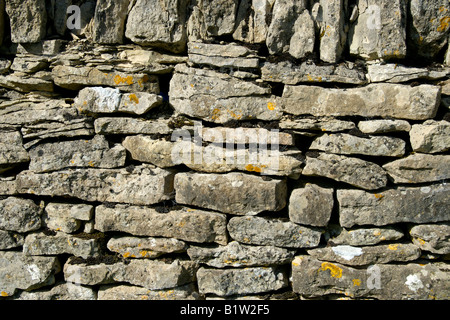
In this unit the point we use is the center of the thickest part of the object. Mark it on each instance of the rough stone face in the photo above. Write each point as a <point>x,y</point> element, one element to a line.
<point>350,145</point>
<point>39,244</point>
<point>12,151</point>
<point>317,124</point>
<point>139,248</point>
<point>376,100</point>
<point>246,136</point>
<point>303,37</point>
<point>415,205</point>
<point>160,24</point>
<point>119,125</point>
<point>359,256</point>
<point>234,193</point>
<point>67,217</point>
<point>9,240</point>
<point>94,153</point>
<point>311,205</point>
<point>251,21</point>
<point>380,31</point>
<point>28,20</point>
<point>314,278</point>
<point>18,271</point>
<point>19,215</point>
<point>240,255</point>
<point>109,21</point>
<point>363,236</point>
<point>432,237</point>
<point>40,81</point>
<point>128,292</point>
<point>395,73</point>
<point>240,281</point>
<point>60,291</point>
<point>419,168</point>
<point>354,171</point>
<point>184,224</point>
<point>141,185</point>
<point>383,126</point>
<point>272,232</point>
<point>430,137</point>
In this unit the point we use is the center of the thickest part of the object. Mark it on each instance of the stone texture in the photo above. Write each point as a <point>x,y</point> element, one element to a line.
<point>234,193</point>
<point>314,278</point>
<point>363,236</point>
<point>67,217</point>
<point>12,152</point>
<point>395,73</point>
<point>401,204</point>
<point>383,126</point>
<point>149,247</point>
<point>10,240</point>
<point>434,238</point>
<point>60,291</point>
<point>354,171</point>
<point>28,20</point>
<point>19,215</point>
<point>430,137</point>
<point>240,281</point>
<point>311,205</point>
<point>109,21</point>
<point>376,100</point>
<point>142,185</point>
<point>252,21</point>
<point>303,37</point>
<point>419,168</point>
<point>240,255</point>
<point>272,232</point>
<point>121,125</point>
<point>317,124</point>
<point>128,292</point>
<point>184,224</point>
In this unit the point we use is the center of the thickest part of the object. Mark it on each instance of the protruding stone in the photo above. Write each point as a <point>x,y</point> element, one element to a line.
<point>12,152</point>
<point>109,21</point>
<point>383,126</point>
<point>140,247</point>
<point>128,292</point>
<point>119,125</point>
<point>363,236</point>
<point>432,237</point>
<point>431,136</point>
<point>19,215</point>
<point>28,20</point>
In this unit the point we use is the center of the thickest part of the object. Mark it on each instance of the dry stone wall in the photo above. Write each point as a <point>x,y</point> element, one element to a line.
<point>272,149</point>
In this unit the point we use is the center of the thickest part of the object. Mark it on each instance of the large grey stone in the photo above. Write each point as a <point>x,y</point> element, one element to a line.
<point>19,215</point>
<point>431,136</point>
<point>12,152</point>
<point>395,73</point>
<point>401,204</point>
<point>252,21</point>
<point>10,240</point>
<point>234,193</point>
<point>383,126</point>
<point>145,247</point>
<point>60,291</point>
<point>121,125</point>
<point>363,236</point>
<point>28,19</point>
<point>67,217</point>
<point>109,21</point>
<point>303,37</point>
<point>432,237</point>
<point>128,292</point>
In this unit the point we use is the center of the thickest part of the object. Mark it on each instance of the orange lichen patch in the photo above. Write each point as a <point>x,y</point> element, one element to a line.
<point>134,98</point>
<point>143,253</point>
<point>443,24</point>
<point>356,282</point>
<point>271,106</point>
<point>126,254</point>
<point>91,164</point>
<point>118,79</point>
<point>393,247</point>
<point>253,168</point>
<point>421,241</point>
<point>379,196</point>
<point>313,79</point>
<point>234,115</point>
<point>215,114</point>
<point>4,294</point>
<point>335,271</point>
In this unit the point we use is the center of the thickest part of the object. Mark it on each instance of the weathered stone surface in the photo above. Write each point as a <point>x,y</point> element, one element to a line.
<point>19,215</point>
<point>395,73</point>
<point>9,240</point>
<point>151,274</point>
<point>359,256</point>
<point>432,237</point>
<point>342,143</point>
<point>363,236</point>
<point>303,37</point>
<point>184,224</point>
<point>142,185</point>
<point>234,193</point>
<point>109,21</point>
<point>354,171</point>
<point>240,255</point>
<point>60,291</point>
<point>8,186</point>
<point>419,168</point>
<point>28,20</point>
<point>112,126</point>
<point>311,205</point>
<point>272,232</point>
<point>75,78</point>
<point>22,82</point>
<point>29,64</point>
<point>67,217</point>
<point>159,24</point>
<point>383,126</point>
<point>128,292</point>
<point>12,151</point>
<point>416,205</point>
<point>376,100</point>
<point>246,136</point>
<point>317,124</point>
<point>148,150</point>
<point>39,244</point>
<point>252,21</point>
<point>94,153</point>
<point>240,281</point>
<point>380,31</point>
<point>314,278</point>
<point>308,72</point>
<point>134,247</point>
<point>431,136</point>
<point>18,271</point>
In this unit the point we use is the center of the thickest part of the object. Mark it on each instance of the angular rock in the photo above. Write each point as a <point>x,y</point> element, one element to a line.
<point>12,152</point>
<point>363,236</point>
<point>94,153</point>
<point>303,37</point>
<point>431,136</point>
<point>314,278</point>
<point>39,244</point>
<point>272,232</point>
<point>9,240</point>
<point>380,31</point>
<point>134,247</point>
<point>148,150</point>
<point>22,82</point>
<point>354,171</point>
<point>317,124</point>
<point>60,291</point>
<point>128,292</point>
<point>8,186</point>
<point>29,64</point>
<point>109,21</point>
<point>360,256</point>
<point>419,168</point>
<point>112,126</point>
<point>245,136</point>
<point>252,21</point>
<point>184,224</point>
<point>239,255</point>
<point>342,143</point>
<point>394,73</point>
<point>240,281</point>
<point>28,20</point>
<point>432,237</point>
<point>311,205</point>
<point>376,100</point>
<point>383,126</point>
<point>18,271</point>
<point>160,25</point>
<point>142,185</point>
<point>415,205</point>
<point>67,217</point>
<point>19,215</point>
<point>234,193</point>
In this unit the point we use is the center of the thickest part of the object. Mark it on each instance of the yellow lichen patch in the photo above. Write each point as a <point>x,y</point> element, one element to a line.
<point>143,253</point>
<point>215,114</point>
<point>126,254</point>
<point>379,196</point>
<point>134,98</point>
<point>377,233</point>
<point>141,81</point>
<point>335,271</point>
<point>234,115</point>
<point>91,164</point>
<point>356,282</point>
<point>421,241</point>
<point>253,168</point>
<point>118,79</point>
<point>271,106</point>
<point>393,247</point>
<point>4,294</point>
<point>443,24</point>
